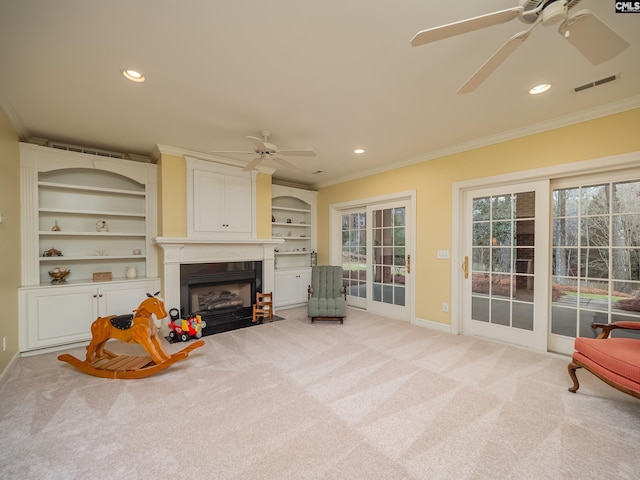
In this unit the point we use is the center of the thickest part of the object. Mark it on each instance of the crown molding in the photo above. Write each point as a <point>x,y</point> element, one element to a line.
<point>559,122</point>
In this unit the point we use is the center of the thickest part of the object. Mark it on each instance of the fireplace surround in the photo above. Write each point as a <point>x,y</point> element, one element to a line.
<point>178,252</point>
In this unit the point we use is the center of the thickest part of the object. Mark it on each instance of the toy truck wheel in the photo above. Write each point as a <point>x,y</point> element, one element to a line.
<point>184,337</point>
<point>172,335</point>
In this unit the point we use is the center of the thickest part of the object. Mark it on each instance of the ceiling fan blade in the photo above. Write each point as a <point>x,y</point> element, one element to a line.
<point>236,152</point>
<point>592,37</point>
<point>252,164</point>
<point>259,144</point>
<point>285,163</point>
<point>496,60</point>
<point>464,26</point>
<point>298,153</point>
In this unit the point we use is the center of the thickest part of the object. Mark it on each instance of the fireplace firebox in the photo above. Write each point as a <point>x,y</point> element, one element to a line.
<point>222,293</point>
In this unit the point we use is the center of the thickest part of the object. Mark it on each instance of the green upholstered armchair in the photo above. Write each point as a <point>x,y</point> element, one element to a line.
<point>327,295</point>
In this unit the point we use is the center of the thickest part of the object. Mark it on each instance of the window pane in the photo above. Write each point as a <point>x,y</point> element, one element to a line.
<point>626,197</point>
<point>481,234</point>
<point>501,233</point>
<point>565,202</point>
<point>565,232</point>
<point>501,207</point>
<point>481,207</point>
<point>595,200</point>
<point>525,204</point>
<point>565,262</point>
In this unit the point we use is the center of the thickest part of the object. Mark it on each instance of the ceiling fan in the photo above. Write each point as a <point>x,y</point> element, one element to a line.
<point>265,151</point>
<point>586,32</point>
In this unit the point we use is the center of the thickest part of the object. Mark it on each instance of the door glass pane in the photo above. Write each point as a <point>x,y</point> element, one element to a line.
<point>596,256</point>
<point>354,245</point>
<point>503,254</point>
<point>389,255</point>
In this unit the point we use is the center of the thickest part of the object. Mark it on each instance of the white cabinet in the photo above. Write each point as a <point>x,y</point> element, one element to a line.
<point>220,202</point>
<point>64,195</point>
<point>291,287</point>
<point>62,314</point>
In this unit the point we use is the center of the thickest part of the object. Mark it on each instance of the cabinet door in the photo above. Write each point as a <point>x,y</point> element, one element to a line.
<point>122,298</point>
<point>221,203</point>
<point>208,201</point>
<point>238,204</point>
<point>286,288</point>
<point>59,315</point>
<point>291,287</point>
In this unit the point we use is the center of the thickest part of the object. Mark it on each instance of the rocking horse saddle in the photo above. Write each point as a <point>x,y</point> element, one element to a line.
<point>122,322</point>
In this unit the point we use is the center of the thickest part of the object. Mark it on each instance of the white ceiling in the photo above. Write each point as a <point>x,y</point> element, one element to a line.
<point>329,75</point>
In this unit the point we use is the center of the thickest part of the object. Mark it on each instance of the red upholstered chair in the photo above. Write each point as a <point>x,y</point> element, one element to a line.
<point>615,361</point>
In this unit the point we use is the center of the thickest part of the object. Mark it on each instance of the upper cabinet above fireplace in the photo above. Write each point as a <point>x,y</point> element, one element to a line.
<point>220,201</point>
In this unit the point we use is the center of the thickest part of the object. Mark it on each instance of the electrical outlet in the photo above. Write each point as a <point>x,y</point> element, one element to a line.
<point>4,344</point>
<point>445,307</point>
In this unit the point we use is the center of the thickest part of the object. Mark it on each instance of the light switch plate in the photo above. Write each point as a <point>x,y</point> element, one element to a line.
<point>443,254</point>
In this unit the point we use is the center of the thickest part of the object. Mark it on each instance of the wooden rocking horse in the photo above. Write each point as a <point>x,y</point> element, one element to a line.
<point>139,328</point>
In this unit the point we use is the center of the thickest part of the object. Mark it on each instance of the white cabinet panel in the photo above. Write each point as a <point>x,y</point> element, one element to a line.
<point>58,315</point>
<point>291,287</point>
<point>220,202</point>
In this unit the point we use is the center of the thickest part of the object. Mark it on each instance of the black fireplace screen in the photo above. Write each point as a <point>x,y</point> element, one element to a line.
<point>213,289</point>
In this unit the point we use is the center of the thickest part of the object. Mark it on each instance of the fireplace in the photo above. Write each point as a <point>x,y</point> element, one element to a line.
<point>222,293</point>
<point>180,251</point>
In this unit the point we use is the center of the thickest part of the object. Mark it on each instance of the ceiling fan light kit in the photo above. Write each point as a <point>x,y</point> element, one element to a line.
<point>593,38</point>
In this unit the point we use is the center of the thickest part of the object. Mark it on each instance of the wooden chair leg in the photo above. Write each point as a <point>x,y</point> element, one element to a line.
<point>572,367</point>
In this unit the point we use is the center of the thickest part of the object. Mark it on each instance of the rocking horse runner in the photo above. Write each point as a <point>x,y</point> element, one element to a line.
<point>139,328</point>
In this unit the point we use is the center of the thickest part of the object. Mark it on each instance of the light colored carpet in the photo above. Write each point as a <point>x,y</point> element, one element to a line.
<point>371,399</point>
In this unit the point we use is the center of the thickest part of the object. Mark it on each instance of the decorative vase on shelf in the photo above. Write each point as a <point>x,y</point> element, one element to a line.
<point>131,272</point>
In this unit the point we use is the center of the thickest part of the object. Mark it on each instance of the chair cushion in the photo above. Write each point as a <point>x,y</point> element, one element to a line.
<point>618,355</point>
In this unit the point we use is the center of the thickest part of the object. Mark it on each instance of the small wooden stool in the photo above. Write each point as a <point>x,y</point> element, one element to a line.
<point>263,306</point>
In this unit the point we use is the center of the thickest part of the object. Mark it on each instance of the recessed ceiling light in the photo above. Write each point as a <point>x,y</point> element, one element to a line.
<point>358,150</point>
<point>543,87</point>
<point>133,75</point>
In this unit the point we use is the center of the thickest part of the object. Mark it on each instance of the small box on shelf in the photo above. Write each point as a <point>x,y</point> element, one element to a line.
<point>102,276</point>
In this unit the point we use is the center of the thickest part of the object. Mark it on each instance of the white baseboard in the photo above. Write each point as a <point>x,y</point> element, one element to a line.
<point>441,327</point>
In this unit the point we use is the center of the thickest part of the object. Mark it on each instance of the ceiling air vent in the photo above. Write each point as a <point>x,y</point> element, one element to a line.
<point>596,83</point>
<point>90,151</point>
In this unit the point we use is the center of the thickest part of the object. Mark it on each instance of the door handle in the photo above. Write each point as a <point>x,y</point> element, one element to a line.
<point>465,267</point>
<point>408,264</point>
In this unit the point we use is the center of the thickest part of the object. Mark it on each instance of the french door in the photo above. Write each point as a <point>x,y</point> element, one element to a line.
<point>375,254</point>
<point>390,260</point>
<point>505,252</point>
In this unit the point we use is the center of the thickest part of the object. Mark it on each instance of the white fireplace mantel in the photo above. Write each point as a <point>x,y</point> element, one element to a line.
<point>179,250</point>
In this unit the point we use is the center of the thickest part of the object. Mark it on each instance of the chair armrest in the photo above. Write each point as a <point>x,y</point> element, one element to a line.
<point>608,327</point>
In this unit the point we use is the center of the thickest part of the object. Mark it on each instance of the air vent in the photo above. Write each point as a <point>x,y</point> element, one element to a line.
<point>596,83</point>
<point>90,151</point>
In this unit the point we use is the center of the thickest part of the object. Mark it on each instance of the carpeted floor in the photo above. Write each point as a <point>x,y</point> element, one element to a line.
<point>371,399</point>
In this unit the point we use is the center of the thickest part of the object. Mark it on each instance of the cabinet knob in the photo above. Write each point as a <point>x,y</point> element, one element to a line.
<point>95,296</point>
<point>100,295</point>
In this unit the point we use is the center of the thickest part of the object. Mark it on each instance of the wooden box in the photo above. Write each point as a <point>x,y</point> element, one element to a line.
<point>102,276</point>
